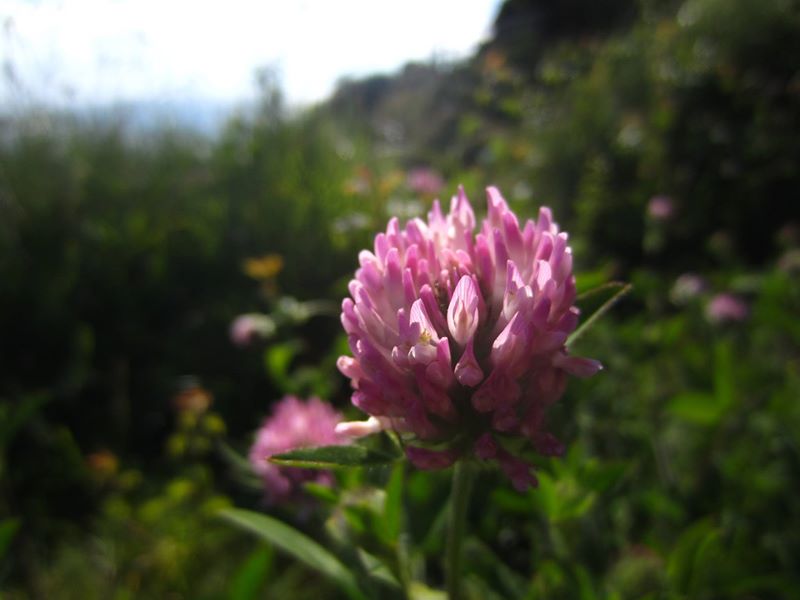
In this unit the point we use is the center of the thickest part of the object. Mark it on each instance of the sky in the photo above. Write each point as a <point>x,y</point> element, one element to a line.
<point>74,52</point>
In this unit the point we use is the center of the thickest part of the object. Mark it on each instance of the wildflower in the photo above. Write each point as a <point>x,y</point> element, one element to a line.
<point>350,222</point>
<point>660,208</point>
<point>686,288</point>
<point>458,339</point>
<point>789,262</point>
<point>425,181</point>
<point>245,329</point>
<point>293,424</point>
<point>192,399</point>
<point>102,464</point>
<point>726,307</point>
<point>264,267</point>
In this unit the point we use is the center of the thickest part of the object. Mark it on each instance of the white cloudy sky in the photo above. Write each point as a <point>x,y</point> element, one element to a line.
<point>76,51</point>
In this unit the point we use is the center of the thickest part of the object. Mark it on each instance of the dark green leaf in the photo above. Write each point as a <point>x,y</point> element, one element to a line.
<point>682,558</point>
<point>695,407</point>
<point>278,358</point>
<point>419,591</point>
<point>28,407</point>
<point>589,282</point>
<point>321,492</point>
<point>514,584</point>
<point>585,584</point>
<point>376,568</point>
<point>545,495</point>
<point>241,469</point>
<point>328,457</point>
<point>619,290</point>
<point>233,458</point>
<point>252,574</point>
<point>508,500</point>
<point>8,529</point>
<point>296,544</point>
<point>723,375</point>
<point>598,293</point>
<point>599,476</point>
<point>393,506</point>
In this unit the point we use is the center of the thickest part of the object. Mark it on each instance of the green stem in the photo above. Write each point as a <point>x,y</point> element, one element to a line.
<point>456,525</point>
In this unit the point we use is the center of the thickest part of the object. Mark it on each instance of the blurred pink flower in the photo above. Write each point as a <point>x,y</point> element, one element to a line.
<point>789,262</point>
<point>425,181</point>
<point>293,424</point>
<point>726,307</point>
<point>687,287</point>
<point>245,329</point>
<point>458,337</point>
<point>660,208</point>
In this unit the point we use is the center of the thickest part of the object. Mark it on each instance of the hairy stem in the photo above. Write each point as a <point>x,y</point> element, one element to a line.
<point>456,526</point>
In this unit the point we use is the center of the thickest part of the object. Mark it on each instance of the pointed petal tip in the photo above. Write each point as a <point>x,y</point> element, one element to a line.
<point>358,429</point>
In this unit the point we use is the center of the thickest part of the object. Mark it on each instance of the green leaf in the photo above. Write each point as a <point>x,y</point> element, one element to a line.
<point>329,457</point>
<point>377,569</point>
<point>577,506</point>
<point>585,584</point>
<point>622,289</point>
<point>27,409</point>
<point>393,506</point>
<point>514,584</point>
<point>695,407</point>
<point>562,498</point>
<point>233,458</point>
<point>545,495</point>
<point>252,574</point>
<point>681,562</point>
<point>241,469</point>
<point>723,376</point>
<point>510,501</point>
<point>709,564</point>
<point>296,544</point>
<point>278,358</point>
<point>419,591</point>
<point>599,292</point>
<point>8,529</point>
<point>590,282</point>
<point>600,476</point>
<point>662,505</point>
<point>433,543</point>
<point>773,586</point>
<point>321,492</point>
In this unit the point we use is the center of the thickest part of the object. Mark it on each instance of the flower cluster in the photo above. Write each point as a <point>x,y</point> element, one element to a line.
<point>458,338</point>
<point>248,328</point>
<point>293,424</point>
<point>726,308</point>
<point>660,208</point>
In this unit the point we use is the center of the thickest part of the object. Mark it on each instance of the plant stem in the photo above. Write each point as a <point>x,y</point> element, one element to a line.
<point>459,499</point>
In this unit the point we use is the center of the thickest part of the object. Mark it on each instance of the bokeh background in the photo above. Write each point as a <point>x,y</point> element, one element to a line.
<point>665,135</point>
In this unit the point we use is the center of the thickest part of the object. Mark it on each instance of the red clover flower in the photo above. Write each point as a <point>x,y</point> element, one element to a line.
<point>293,424</point>
<point>459,339</point>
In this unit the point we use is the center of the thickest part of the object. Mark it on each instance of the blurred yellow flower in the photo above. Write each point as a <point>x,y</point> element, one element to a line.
<point>391,181</point>
<point>193,400</point>
<point>103,463</point>
<point>264,267</point>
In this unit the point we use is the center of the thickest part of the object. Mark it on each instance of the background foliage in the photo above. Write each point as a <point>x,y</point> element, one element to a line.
<point>124,258</point>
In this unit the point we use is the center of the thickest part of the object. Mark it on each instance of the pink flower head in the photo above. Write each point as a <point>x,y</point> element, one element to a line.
<point>686,288</point>
<point>660,208</point>
<point>458,336</point>
<point>726,307</point>
<point>293,424</point>
<point>245,329</point>
<point>425,181</point>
